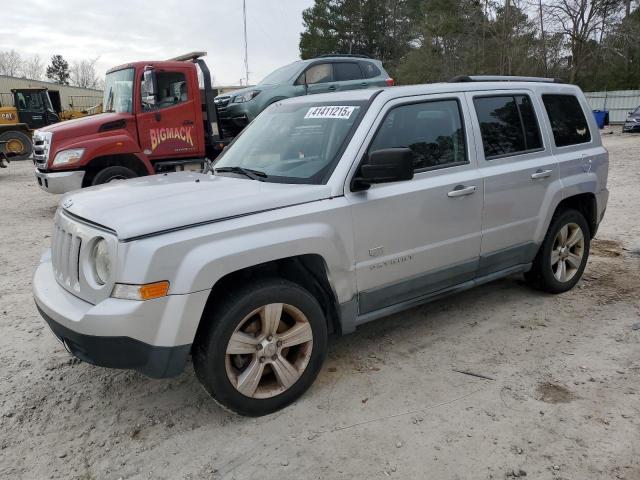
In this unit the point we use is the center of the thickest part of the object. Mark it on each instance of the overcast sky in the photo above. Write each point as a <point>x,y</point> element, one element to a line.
<point>120,31</point>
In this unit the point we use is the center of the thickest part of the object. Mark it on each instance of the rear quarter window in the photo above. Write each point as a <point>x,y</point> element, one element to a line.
<point>568,123</point>
<point>370,70</point>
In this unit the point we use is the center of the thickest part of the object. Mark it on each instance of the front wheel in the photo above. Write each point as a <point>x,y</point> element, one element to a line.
<point>112,174</point>
<point>563,255</point>
<point>16,143</point>
<point>263,347</point>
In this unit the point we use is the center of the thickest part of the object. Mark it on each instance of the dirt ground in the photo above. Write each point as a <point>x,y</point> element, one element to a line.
<point>563,401</point>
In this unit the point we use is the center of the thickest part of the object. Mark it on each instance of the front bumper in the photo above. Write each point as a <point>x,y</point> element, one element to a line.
<point>631,127</point>
<point>145,336</point>
<point>59,182</point>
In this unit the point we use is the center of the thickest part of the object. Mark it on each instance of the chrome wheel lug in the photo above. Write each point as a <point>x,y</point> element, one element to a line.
<point>279,343</point>
<point>274,358</point>
<point>259,346</point>
<point>269,338</point>
<point>261,359</point>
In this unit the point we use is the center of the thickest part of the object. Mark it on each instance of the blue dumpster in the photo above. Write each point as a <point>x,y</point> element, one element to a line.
<point>600,116</point>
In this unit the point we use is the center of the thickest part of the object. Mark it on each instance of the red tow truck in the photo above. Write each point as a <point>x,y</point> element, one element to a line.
<point>156,118</point>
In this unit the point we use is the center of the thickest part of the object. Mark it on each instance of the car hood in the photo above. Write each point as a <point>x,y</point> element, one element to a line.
<point>159,203</point>
<point>262,88</point>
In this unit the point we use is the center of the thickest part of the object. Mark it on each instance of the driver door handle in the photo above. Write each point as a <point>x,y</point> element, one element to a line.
<point>331,87</point>
<point>461,191</point>
<point>541,174</point>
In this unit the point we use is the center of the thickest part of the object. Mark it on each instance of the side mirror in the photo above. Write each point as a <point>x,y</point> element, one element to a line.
<point>385,166</point>
<point>150,85</point>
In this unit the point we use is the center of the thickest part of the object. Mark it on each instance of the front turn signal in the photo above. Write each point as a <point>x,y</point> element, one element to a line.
<point>148,291</point>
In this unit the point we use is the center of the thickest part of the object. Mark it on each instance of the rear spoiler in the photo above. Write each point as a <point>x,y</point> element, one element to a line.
<point>191,56</point>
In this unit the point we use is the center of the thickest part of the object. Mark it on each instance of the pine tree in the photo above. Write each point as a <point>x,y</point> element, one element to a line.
<point>58,71</point>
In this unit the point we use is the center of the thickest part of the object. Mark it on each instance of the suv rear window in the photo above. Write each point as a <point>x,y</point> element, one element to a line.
<point>432,130</point>
<point>567,119</point>
<point>508,125</point>
<point>346,71</point>
<point>370,70</point>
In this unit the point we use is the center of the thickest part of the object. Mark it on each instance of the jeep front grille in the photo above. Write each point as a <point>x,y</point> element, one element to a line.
<point>65,253</point>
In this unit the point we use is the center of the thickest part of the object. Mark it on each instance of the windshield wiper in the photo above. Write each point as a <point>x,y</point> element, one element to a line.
<point>247,172</point>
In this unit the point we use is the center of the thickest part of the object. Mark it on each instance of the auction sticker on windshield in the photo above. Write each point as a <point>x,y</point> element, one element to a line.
<point>329,111</point>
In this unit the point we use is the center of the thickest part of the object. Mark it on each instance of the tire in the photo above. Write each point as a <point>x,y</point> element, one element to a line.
<point>243,314</point>
<point>111,174</point>
<point>17,142</point>
<point>568,251</point>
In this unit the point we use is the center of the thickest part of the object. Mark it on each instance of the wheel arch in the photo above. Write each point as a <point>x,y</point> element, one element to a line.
<point>310,271</point>
<point>586,204</point>
<point>128,160</point>
<point>17,127</point>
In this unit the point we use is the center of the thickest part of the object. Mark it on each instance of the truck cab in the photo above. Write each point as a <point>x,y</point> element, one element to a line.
<point>31,109</point>
<point>155,119</point>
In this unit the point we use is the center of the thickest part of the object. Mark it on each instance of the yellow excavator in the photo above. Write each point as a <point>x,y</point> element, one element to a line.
<point>30,109</point>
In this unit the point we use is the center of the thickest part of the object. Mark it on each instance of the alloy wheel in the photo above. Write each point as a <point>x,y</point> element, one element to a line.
<point>269,350</point>
<point>567,252</point>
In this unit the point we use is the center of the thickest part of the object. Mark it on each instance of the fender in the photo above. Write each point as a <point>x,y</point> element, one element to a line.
<point>100,146</point>
<point>201,256</point>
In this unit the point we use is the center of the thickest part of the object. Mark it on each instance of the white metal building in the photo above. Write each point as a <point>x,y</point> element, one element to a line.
<point>68,97</point>
<point>618,102</point>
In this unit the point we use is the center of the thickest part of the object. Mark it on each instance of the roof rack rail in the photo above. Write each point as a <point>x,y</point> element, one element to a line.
<point>346,55</point>
<point>193,56</point>
<point>501,78</point>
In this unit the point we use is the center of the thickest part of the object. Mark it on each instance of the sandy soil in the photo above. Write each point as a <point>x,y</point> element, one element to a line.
<point>563,401</point>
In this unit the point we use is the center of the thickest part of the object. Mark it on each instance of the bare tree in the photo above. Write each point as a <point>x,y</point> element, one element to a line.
<point>10,63</point>
<point>33,68</point>
<point>83,74</point>
<point>579,21</point>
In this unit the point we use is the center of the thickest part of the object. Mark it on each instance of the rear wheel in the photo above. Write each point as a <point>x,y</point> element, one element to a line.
<point>17,143</point>
<point>263,347</point>
<point>112,174</point>
<point>563,255</point>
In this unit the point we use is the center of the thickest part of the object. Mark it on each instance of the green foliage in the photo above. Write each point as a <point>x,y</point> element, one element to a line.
<point>58,71</point>
<point>382,29</point>
<point>584,41</point>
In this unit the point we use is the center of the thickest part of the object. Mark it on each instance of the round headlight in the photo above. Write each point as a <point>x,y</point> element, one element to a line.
<point>101,261</point>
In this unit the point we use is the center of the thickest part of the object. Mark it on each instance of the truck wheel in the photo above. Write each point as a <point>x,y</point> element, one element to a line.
<point>111,174</point>
<point>563,255</point>
<point>263,347</point>
<point>17,143</point>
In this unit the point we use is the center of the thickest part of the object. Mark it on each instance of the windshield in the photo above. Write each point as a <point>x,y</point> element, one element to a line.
<point>281,75</point>
<point>294,142</point>
<point>118,91</point>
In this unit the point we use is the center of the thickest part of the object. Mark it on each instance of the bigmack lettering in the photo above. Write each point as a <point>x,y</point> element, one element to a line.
<point>161,135</point>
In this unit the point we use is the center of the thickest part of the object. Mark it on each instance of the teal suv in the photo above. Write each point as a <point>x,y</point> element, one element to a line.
<point>327,73</point>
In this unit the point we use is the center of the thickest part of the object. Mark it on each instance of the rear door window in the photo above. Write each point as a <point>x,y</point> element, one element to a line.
<point>508,125</point>
<point>321,73</point>
<point>432,130</point>
<point>567,119</point>
<point>343,71</point>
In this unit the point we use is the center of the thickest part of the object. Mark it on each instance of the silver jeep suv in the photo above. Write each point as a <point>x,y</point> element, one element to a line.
<point>325,213</point>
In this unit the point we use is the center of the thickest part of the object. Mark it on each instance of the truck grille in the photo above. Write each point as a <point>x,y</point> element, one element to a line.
<point>41,143</point>
<point>65,254</point>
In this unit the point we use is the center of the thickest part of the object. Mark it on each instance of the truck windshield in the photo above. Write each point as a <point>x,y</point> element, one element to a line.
<point>294,142</point>
<point>118,91</point>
